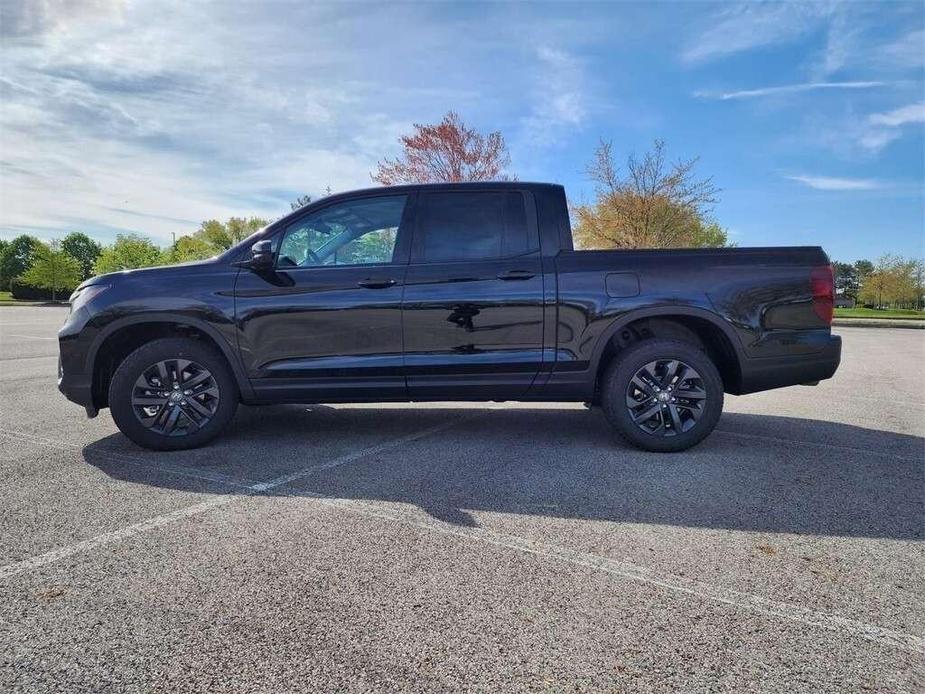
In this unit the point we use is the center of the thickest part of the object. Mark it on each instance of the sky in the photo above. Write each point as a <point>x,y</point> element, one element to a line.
<point>150,117</point>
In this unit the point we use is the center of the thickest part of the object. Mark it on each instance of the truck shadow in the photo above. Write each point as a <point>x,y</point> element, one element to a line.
<point>755,473</point>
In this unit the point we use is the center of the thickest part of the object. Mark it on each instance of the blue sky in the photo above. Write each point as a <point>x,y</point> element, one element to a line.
<point>150,117</point>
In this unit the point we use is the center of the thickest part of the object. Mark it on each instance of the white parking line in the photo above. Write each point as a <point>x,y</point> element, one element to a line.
<point>108,538</point>
<point>642,574</point>
<point>624,570</point>
<point>50,376</point>
<point>159,521</point>
<point>167,468</point>
<point>38,356</point>
<point>31,337</point>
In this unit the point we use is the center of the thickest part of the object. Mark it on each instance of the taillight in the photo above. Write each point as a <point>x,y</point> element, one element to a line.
<point>822,281</point>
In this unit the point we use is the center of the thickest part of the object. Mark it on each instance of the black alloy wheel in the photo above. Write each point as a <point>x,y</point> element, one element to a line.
<point>662,395</point>
<point>175,397</point>
<point>666,397</point>
<point>173,393</point>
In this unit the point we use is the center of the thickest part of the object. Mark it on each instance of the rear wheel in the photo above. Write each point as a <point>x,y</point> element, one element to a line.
<point>662,395</point>
<point>172,394</point>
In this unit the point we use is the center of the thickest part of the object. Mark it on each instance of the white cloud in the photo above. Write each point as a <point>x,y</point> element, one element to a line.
<point>866,48</point>
<point>851,134</point>
<point>880,129</point>
<point>831,183</point>
<point>789,89</point>
<point>34,17</point>
<point>152,116</point>
<point>873,140</point>
<point>913,113</point>
<point>855,41</point>
<point>558,96</point>
<point>841,44</point>
<point>904,52</point>
<point>854,36</point>
<point>748,26</point>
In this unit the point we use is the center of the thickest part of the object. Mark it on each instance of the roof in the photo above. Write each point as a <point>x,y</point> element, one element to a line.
<point>469,185</point>
<point>415,188</point>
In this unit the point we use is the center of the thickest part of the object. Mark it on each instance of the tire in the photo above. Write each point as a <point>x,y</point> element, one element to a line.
<point>628,395</point>
<point>186,417</point>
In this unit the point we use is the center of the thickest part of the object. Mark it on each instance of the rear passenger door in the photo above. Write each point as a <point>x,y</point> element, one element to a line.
<point>472,311</point>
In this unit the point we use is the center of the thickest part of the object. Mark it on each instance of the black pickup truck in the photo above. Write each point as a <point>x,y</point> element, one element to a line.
<point>447,292</point>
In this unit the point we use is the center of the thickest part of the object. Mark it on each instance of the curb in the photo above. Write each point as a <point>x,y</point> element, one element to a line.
<point>879,323</point>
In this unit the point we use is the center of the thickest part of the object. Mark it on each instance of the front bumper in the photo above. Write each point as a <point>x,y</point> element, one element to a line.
<point>77,388</point>
<point>74,382</point>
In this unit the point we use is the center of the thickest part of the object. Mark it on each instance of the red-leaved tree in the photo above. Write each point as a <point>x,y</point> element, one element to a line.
<point>447,152</point>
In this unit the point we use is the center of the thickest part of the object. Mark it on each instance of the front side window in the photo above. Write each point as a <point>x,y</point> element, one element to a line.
<point>474,225</point>
<point>355,232</point>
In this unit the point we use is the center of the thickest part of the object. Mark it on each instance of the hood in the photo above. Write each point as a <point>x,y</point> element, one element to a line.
<point>164,270</point>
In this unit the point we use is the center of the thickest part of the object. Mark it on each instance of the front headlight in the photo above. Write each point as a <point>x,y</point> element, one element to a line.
<point>81,297</point>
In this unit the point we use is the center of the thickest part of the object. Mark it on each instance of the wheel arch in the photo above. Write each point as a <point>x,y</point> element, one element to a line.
<point>121,337</point>
<point>704,328</point>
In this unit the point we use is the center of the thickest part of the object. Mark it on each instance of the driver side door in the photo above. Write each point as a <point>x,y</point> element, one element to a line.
<point>324,325</point>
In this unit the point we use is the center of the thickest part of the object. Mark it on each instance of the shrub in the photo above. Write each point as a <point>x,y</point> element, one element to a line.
<point>24,292</point>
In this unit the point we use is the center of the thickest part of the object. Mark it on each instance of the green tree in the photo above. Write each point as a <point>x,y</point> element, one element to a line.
<point>4,244</point>
<point>891,283</point>
<point>84,250</point>
<point>223,236</point>
<point>907,284</point>
<point>710,235</point>
<point>213,233</point>
<point>654,204</point>
<point>128,252</point>
<point>864,268</point>
<point>368,248</point>
<point>52,269</point>
<point>189,248</point>
<point>17,257</point>
<point>846,279</point>
<point>918,283</point>
<point>876,283</point>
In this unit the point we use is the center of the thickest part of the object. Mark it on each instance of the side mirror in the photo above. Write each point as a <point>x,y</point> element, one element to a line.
<point>261,256</point>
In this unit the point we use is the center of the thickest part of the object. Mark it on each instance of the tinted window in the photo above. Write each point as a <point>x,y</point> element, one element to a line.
<point>356,232</point>
<point>468,226</point>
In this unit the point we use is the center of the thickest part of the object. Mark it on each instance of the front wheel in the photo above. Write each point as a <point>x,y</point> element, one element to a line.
<point>662,395</point>
<point>172,394</point>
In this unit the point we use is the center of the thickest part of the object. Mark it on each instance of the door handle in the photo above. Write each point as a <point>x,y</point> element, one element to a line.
<point>516,275</point>
<point>375,284</point>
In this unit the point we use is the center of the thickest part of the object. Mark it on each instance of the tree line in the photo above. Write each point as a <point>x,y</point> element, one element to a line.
<point>32,269</point>
<point>891,282</point>
<point>649,201</point>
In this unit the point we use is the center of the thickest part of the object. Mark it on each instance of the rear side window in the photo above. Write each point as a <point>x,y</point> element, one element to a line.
<point>473,226</point>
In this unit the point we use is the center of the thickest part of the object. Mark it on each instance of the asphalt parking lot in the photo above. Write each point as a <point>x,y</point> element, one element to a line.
<point>447,547</point>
